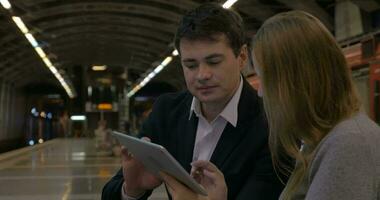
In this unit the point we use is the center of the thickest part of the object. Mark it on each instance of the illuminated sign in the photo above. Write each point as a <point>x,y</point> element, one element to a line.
<point>105,106</point>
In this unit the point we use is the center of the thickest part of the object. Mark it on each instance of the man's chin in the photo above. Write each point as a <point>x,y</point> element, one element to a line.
<point>206,99</point>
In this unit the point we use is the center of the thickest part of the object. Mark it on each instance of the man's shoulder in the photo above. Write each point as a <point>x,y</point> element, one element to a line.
<point>174,100</point>
<point>249,92</point>
<point>175,97</point>
<point>250,104</point>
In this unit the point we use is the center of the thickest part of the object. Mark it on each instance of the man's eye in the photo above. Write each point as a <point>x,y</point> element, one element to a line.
<point>213,62</point>
<point>191,66</point>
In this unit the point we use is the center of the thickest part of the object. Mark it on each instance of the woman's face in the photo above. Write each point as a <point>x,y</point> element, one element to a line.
<point>258,72</point>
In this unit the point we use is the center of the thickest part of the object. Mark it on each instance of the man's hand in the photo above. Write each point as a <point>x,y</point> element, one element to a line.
<point>137,179</point>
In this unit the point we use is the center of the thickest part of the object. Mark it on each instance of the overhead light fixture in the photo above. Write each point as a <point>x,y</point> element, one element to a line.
<point>158,69</point>
<point>47,62</point>
<point>99,67</point>
<point>130,94</point>
<point>175,52</point>
<point>78,117</point>
<point>20,24</point>
<point>53,70</point>
<point>31,39</point>
<point>40,52</point>
<point>152,74</point>
<point>147,79</point>
<point>64,84</point>
<point>167,61</point>
<point>60,79</point>
<point>6,4</point>
<point>229,3</point>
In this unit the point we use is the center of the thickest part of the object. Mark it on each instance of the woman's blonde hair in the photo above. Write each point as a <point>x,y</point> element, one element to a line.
<point>307,87</point>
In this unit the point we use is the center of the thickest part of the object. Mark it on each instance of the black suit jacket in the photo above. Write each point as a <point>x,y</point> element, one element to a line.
<point>242,152</point>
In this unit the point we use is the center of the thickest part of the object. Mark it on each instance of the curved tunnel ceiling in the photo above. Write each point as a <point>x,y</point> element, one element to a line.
<point>134,34</point>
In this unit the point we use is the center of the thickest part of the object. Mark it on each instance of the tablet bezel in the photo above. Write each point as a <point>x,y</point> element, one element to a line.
<point>156,158</point>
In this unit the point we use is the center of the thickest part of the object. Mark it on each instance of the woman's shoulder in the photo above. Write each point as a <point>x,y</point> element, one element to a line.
<point>352,141</point>
<point>354,131</point>
<point>346,162</point>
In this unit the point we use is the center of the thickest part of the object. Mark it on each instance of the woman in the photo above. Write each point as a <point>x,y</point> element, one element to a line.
<point>310,100</point>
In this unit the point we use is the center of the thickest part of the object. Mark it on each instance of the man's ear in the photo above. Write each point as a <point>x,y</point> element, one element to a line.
<point>243,56</point>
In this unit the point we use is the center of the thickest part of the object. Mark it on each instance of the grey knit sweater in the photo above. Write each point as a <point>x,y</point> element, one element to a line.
<point>346,165</point>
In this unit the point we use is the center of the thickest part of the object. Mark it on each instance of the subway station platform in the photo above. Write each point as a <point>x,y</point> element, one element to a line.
<point>64,169</point>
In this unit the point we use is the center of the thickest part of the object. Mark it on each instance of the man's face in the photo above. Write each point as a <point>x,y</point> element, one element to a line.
<point>211,70</point>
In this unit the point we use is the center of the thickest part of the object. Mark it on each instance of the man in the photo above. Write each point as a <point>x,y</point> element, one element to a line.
<point>220,118</point>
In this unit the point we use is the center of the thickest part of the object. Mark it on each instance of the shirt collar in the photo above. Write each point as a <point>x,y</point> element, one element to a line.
<point>229,113</point>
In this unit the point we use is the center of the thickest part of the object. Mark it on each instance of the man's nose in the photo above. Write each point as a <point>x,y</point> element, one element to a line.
<point>204,72</point>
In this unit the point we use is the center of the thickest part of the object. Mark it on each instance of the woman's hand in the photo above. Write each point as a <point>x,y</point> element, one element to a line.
<point>211,178</point>
<point>178,191</point>
<point>207,175</point>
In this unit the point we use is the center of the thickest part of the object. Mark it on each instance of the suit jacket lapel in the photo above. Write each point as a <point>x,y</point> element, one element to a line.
<point>232,136</point>
<point>186,139</point>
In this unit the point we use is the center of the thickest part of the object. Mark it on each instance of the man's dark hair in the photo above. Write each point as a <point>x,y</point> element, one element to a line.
<point>208,21</point>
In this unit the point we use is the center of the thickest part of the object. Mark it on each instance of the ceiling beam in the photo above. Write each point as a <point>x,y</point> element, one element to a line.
<point>104,19</point>
<point>99,39</point>
<point>313,8</point>
<point>116,9</point>
<point>114,32</point>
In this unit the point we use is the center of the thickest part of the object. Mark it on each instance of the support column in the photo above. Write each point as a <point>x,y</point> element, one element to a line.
<point>124,112</point>
<point>375,91</point>
<point>348,20</point>
<point>3,105</point>
<point>2,97</point>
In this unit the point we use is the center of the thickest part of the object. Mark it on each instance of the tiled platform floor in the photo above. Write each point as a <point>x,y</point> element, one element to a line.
<point>60,169</point>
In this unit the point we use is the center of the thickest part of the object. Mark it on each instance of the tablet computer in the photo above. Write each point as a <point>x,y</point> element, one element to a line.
<point>156,158</point>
